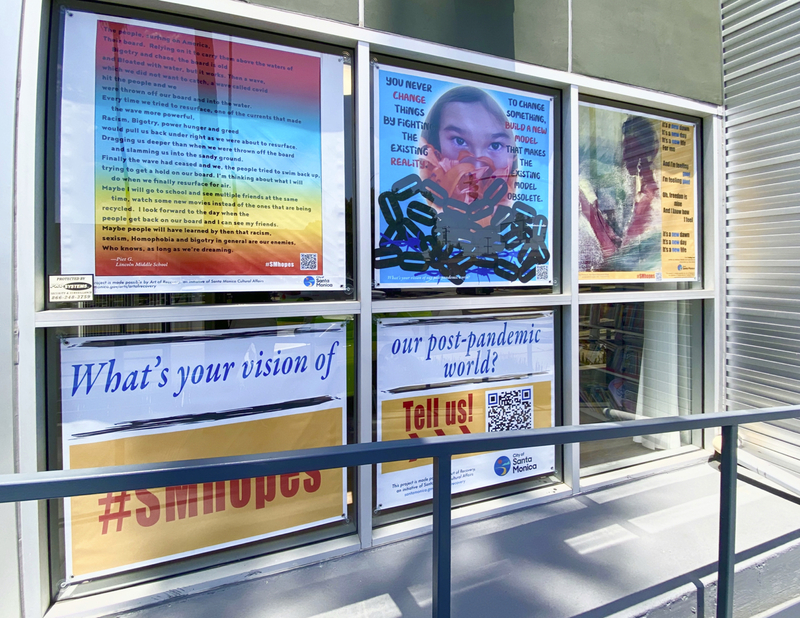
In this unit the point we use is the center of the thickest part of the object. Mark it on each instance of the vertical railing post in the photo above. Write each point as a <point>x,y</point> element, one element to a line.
<point>441,536</point>
<point>727,522</point>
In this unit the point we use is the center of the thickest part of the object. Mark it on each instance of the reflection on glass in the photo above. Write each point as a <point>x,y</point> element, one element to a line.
<point>635,363</point>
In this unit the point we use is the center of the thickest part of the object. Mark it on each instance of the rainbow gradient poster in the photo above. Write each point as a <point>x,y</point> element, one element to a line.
<point>193,161</point>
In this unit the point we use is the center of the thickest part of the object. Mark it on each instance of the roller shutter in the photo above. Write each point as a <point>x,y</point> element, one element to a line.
<point>761,62</point>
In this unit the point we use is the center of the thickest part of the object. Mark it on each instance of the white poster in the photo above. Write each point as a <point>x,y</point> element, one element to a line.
<point>158,398</point>
<point>455,376</point>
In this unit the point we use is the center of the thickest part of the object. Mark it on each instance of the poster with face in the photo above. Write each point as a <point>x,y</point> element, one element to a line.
<point>463,182</point>
<point>638,196</point>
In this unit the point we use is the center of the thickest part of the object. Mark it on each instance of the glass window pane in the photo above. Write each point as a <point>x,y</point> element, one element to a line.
<point>470,203</point>
<point>636,361</point>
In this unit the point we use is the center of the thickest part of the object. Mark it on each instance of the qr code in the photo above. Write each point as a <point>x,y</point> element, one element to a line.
<point>308,261</point>
<point>542,272</point>
<point>509,409</point>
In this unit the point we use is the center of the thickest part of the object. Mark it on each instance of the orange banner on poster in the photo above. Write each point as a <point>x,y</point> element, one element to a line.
<point>449,414</point>
<point>135,528</point>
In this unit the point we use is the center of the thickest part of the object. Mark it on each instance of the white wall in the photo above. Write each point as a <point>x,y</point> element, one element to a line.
<point>10,24</point>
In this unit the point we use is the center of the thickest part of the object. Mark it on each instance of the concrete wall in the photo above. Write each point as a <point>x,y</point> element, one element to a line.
<point>340,10</point>
<point>670,46</point>
<point>535,31</point>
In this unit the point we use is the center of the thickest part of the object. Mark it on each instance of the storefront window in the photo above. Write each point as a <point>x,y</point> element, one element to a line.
<point>205,175</point>
<point>466,184</point>
<point>638,194</point>
<point>636,362</point>
<point>196,164</point>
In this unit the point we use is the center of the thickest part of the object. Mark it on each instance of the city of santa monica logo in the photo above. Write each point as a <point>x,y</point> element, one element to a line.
<point>502,465</point>
<point>309,281</point>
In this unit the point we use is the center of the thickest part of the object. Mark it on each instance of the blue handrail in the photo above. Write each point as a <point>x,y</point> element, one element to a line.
<point>66,483</point>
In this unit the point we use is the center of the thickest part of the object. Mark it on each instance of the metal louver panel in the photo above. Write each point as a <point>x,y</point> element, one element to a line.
<point>761,64</point>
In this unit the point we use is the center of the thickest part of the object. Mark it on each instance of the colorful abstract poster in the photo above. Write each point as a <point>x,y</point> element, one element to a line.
<point>157,398</point>
<point>456,376</point>
<point>198,162</point>
<point>463,182</point>
<point>638,197</point>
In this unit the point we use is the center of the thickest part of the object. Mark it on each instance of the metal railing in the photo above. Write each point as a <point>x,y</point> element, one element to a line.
<point>67,483</point>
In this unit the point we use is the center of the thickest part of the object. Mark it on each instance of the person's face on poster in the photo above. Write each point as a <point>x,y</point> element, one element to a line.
<point>471,128</point>
<point>639,148</point>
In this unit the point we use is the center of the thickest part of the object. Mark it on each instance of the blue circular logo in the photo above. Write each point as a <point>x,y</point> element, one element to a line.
<point>309,281</point>
<point>502,465</point>
<point>680,266</point>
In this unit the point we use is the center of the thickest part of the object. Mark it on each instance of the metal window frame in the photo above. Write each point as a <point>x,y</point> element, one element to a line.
<point>28,285</point>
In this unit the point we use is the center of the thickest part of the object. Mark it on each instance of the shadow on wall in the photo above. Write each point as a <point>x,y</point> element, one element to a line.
<point>480,25</point>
